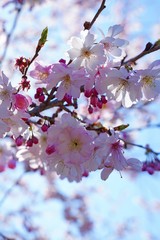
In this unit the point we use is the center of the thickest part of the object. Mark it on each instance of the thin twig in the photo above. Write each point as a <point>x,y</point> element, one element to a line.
<point>5,238</point>
<point>133,60</point>
<point>88,25</point>
<point>10,34</point>
<point>143,127</point>
<point>140,146</point>
<point>11,189</point>
<point>31,61</point>
<point>44,106</point>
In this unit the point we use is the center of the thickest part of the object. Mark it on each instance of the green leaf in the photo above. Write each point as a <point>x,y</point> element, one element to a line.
<point>121,127</point>
<point>43,38</point>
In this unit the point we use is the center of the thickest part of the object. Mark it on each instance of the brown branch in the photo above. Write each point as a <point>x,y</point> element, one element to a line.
<point>144,127</point>
<point>31,61</point>
<point>40,44</point>
<point>88,25</point>
<point>148,150</point>
<point>146,51</point>
<point>44,106</point>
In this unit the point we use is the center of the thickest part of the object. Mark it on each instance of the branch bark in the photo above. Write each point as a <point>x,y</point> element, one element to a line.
<point>146,51</point>
<point>88,25</point>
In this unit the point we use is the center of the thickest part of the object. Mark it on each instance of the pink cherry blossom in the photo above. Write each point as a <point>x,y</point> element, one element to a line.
<point>66,130</point>
<point>40,72</point>
<point>36,154</point>
<point>110,150</point>
<point>20,102</point>
<point>7,154</point>
<point>69,80</point>
<point>73,146</point>
<point>6,89</point>
<point>16,123</point>
<point>124,86</point>
<point>150,83</point>
<point>4,129</point>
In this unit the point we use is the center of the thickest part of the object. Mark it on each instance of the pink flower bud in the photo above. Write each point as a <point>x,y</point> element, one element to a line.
<point>99,104</point>
<point>87,93</point>
<point>19,141</point>
<point>103,99</point>
<point>39,90</point>
<point>150,170</point>
<point>93,101</point>
<point>94,92</point>
<point>12,164</point>
<point>62,61</point>
<point>85,174</point>
<point>36,96</point>
<point>29,142</point>
<point>50,149</point>
<point>21,102</point>
<point>68,98</point>
<point>42,98</point>
<point>44,127</point>
<point>42,171</point>
<point>35,140</point>
<point>2,168</point>
<point>90,109</point>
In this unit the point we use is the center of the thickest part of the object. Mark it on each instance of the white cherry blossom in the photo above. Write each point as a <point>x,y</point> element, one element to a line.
<point>150,83</point>
<point>114,46</point>
<point>124,87</point>
<point>86,52</point>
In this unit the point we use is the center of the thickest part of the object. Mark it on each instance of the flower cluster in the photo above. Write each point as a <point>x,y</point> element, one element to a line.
<point>151,167</point>
<point>49,130</point>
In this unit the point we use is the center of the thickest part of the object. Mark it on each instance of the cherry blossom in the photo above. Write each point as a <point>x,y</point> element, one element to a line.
<point>34,154</point>
<point>84,51</point>
<point>6,90</point>
<point>20,101</point>
<point>150,84</point>
<point>72,146</point>
<point>110,151</point>
<point>69,80</point>
<point>16,123</point>
<point>71,124</point>
<point>7,154</point>
<point>4,128</point>
<point>114,46</point>
<point>124,86</point>
<point>40,72</point>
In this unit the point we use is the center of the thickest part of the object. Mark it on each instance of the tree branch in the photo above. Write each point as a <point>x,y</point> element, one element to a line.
<point>88,25</point>
<point>148,149</point>
<point>146,51</point>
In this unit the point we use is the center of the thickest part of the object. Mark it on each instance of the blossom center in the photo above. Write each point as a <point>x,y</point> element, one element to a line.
<point>4,94</point>
<point>116,146</point>
<point>1,151</point>
<point>107,46</point>
<point>42,76</point>
<point>122,85</point>
<point>86,53</point>
<point>67,80</point>
<point>147,80</point>
<point>75,144</point>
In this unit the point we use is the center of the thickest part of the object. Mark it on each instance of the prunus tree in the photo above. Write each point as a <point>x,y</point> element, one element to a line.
<point>75,115</point>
